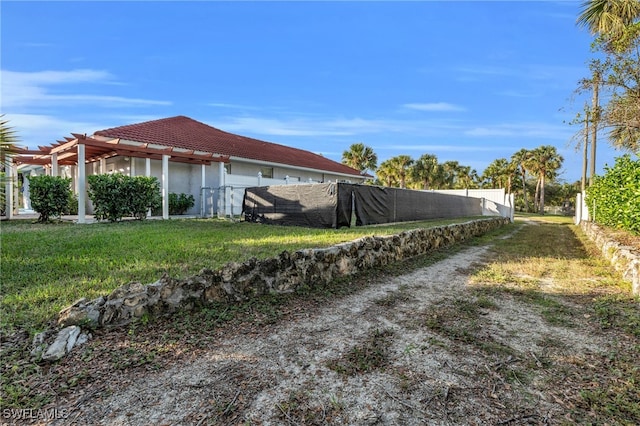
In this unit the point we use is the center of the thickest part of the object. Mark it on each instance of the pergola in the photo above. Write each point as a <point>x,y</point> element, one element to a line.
<point>80,149</point>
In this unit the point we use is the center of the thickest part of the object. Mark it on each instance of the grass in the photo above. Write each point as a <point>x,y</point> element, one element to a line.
<point>46,267</point>
<point>552,267</point>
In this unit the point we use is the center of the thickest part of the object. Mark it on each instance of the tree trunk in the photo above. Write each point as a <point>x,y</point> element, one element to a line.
<point>536,198</point>
<point>594,127</point>
<point>524,190</point>
<point>542,193</point>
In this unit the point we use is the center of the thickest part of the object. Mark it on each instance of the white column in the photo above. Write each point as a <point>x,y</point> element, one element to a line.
<point>203,183</point>
<point>259,178</point>
<point>221,173</point>
<point>26,192</point>
<point>9,189</point>
<point>54,164</point>
<point>165,186</point>
<point>147,173</point>
<point>132,166</point>
<point>103,166</point>
<point>82,185</point>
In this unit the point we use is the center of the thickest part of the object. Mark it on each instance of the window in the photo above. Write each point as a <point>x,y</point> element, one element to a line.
<point>227,168</point>
<point>267,172</point>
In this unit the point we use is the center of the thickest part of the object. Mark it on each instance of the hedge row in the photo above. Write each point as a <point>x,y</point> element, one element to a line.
<point>614,198</point>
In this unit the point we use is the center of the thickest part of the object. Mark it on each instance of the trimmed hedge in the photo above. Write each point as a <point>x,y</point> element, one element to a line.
<point>49,196</point>
<point>614,199</point>
<point>115,196</point>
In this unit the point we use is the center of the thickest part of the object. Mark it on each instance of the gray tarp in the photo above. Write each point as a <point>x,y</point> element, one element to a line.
<point>330,205</point>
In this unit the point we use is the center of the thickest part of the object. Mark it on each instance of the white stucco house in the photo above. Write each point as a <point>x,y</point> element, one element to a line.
<point>186,156</point>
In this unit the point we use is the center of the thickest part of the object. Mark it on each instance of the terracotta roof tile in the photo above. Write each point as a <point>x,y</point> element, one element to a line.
<point>184,132</point>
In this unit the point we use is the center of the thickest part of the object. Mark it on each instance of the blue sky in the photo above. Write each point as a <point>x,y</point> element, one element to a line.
<point>470,81</point>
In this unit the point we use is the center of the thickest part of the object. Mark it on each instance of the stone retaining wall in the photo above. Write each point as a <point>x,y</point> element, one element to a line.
<point>624,258</point>
<point>236,282</point>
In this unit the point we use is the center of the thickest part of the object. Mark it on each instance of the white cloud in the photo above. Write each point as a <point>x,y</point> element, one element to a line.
<point>521,130</point>
<point>35,129</point>
<point>306,126</point>
<point>434,107</point>
<point>33,89</point>
<point>446,148</point>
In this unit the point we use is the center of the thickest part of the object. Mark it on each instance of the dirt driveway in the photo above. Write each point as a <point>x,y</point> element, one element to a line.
<point>423,347</point>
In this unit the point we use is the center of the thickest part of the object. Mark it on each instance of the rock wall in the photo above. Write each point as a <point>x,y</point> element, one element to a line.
<point>285,273</point>
<point>236,282</point>
<point>624,258</point>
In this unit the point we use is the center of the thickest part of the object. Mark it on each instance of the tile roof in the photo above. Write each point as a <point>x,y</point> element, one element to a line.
<point>184,132</point>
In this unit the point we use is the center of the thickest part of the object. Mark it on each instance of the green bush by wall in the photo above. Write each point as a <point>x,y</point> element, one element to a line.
<point>614,198</point>
<point>49,196</point>
<point>115,196</point>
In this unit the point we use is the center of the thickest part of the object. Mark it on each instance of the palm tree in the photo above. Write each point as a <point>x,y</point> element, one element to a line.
<point>8,140</point>
<point>451,170</point>
<point>520,161</point>
<point>499,173</point>
<point>612,20</point>
<point>425,170</point>
<point>467,177</point>
<point>386,174</point>
<point>8,147</point>
<point>545,161</point>
<point>360,157</point>
<point>399,166</point>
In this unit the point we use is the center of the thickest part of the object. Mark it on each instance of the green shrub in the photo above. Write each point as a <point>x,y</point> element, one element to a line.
<point>72,204</point>
<point>614,199</point>
<point>115,196</point>
<point>179,204</point>
<point>49,195</point>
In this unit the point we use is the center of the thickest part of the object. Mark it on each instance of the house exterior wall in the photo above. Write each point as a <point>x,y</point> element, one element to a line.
<point>187,178</point>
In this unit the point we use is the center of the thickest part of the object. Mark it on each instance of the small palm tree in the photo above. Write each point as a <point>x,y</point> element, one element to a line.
<point>546,162</point>
<point>400,166</point>
<point>500,174</point>
<point>360,157</point>
<point>8,139</point>
<point>387,174</point>
<point>8,147</point>
<point>425,170</point>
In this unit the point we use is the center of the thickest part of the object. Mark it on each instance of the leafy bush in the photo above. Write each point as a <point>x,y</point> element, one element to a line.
<point>179,204</point>
<point>49,195</point>
<point>72,204</point>
<point>614,199</point>
<point>115,196</point>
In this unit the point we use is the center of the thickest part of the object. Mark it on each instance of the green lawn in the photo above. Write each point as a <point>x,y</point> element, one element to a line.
<point>46,267</point>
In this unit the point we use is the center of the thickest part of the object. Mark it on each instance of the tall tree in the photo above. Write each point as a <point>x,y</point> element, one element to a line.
<point>400,168</point>
<point>611,20</point>
<point>616,25</point>
<point>546,162</point>
<point>360,157</point>
<point>451,170</point>
<point>387,174</point>
<point>425,170</point>
<point>500,173</point>
<point>521,161</point>
<point>467,178</point>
